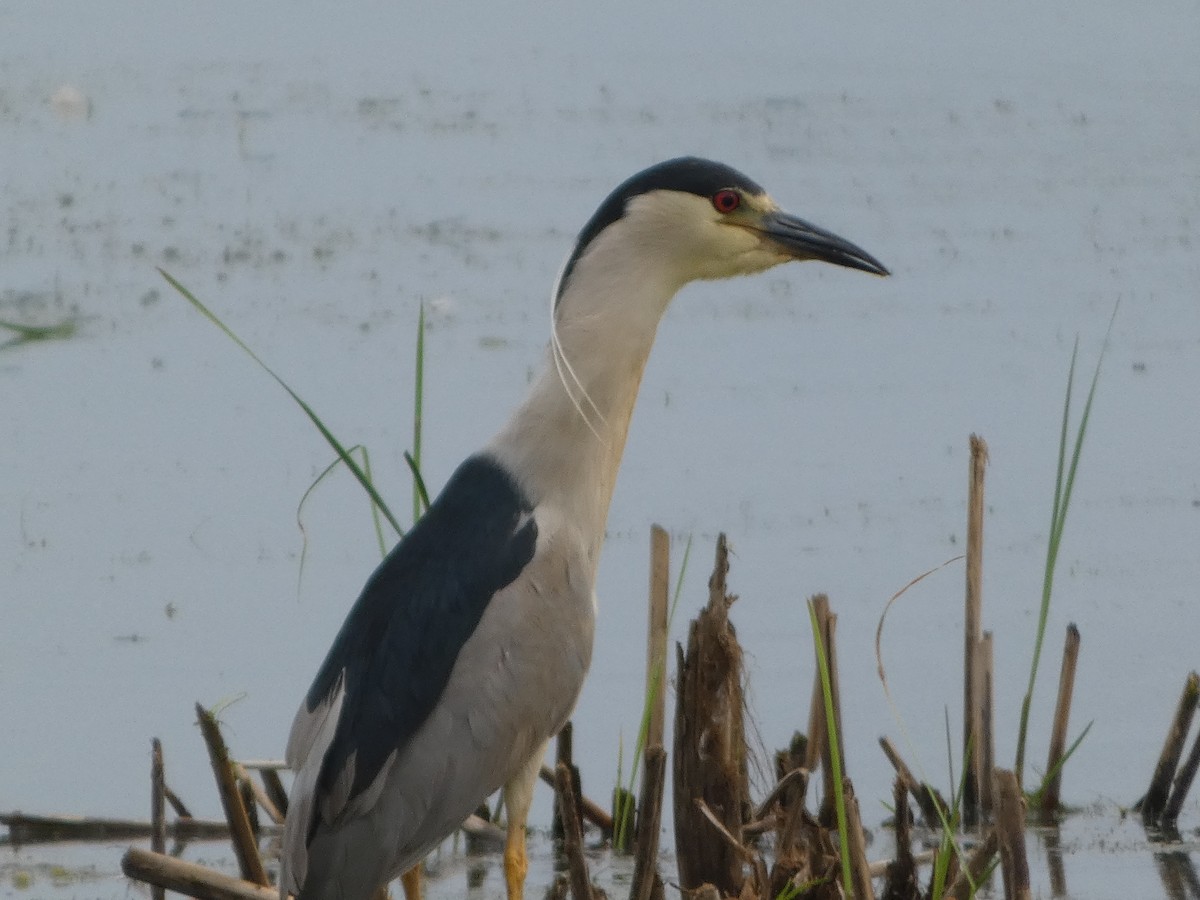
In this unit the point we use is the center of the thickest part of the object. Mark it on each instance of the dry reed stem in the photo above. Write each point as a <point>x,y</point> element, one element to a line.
<point>709,762</point>
<point>860,868</point>
<point>261,796</point>
<point>189,878</point>
<point>1062,716</point>
<point>977,864</point>
<point>581,883</point>
<point>973,634</point>
<point>928,799</point>
<point>902,870</point>
<point>645,866</point>
<point>987,754</point>
<point>240,833</point>
<point>273,785</point>
<point>1156,795</point>
<point>158,811</point>
<point>656,639</point>
<point>1010,827</point>
<point>1182,784</point>
<point>591,810</point>
<point>564,750</point>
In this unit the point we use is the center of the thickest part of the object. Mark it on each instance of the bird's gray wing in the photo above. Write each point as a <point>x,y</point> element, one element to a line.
<point>394,654</point>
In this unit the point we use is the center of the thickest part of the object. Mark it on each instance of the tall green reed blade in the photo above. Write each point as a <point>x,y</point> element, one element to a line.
<point>1058,520</point>
<point>343,454</point>
<point>835,755</point>
<point>420,495</point>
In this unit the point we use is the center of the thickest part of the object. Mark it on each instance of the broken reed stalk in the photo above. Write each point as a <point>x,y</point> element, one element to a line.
<point>860,868</point>
<point>977,864</point>
<point>656,639</point>
<point>158,809</point>
<point>645,866</point>
<point>973,772</point>
<point>177,804</point>
<point>1010,827</point>
<point>581,883</point>
<point>1181,786</point>
<point>709,762</point>
<point>1062,715</point>
<point>190,878</point>
<point>928,798</point>
<point>1156,795</point>
<point>241,835</point>
<point>902,881</point>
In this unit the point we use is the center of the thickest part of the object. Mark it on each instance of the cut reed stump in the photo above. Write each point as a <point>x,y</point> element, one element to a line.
<point>647,885</point>
<point>1155,801</point>
<point>710,745</point>
<point>902,881</point>
<point>1062,715</point>
<point>1010,828</point>
<point>973,772</point>
<point>1182,784</point>
<point>656,638</point>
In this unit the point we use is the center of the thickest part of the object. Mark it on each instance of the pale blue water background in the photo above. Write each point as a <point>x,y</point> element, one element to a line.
<point>315,174</point>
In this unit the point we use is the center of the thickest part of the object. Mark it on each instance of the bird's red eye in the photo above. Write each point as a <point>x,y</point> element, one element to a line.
<point>726,201</point>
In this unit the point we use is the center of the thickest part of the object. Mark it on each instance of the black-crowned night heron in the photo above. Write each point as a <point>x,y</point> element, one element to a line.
<point>467,648</point>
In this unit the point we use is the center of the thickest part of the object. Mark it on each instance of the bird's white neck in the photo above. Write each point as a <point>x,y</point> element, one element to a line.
<point>565,441</point>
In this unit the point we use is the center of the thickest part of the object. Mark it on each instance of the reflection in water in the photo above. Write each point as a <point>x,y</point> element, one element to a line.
<point>1178,875</point>
<point>1054,862</point>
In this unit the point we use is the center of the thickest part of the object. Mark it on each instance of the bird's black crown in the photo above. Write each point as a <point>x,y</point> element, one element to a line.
<point>688,174</point>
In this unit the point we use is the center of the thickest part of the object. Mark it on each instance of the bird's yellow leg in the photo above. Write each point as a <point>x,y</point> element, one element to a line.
<point>518,794</point>
<point>411,882</point>
<point>516,863</point>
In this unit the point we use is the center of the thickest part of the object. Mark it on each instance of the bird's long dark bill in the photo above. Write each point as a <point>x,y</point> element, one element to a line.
<point>806,241</point>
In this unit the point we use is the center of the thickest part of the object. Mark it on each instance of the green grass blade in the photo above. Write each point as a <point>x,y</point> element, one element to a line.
<point>333,442</point>
<point>28,334</point>
<point>420,494</point>
<point>1063,489</point>
<point>420,498</point>
<point>835,756</point>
